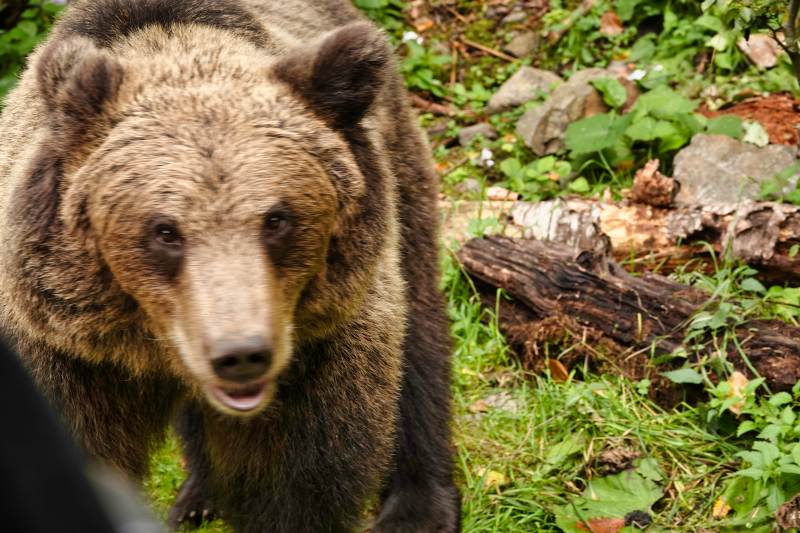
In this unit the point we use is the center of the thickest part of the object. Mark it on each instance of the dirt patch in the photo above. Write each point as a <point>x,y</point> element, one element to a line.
<point>778,113</point>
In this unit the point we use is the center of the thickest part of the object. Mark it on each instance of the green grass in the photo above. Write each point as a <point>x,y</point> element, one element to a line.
<point>526,443</point>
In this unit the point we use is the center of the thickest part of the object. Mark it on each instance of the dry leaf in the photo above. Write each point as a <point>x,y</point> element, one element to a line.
<point>610,24</point>
<point>720,509</point>
<point>492,478</point>
<point>479,406</point>
<point>557,370</point>
<point>423,24</point>
<point>602,525</point>
<point>651,187</point>
<point>738,382</point>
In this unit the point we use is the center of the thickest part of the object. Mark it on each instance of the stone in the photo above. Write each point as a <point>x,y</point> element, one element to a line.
<point>543,128</point>
<point>761,49</point>
<point>469,186</point>
<point>468,133</point>
<point>717,169</point>
<point>516,15</point>
<point>522,87</point>
<point>523,44</point>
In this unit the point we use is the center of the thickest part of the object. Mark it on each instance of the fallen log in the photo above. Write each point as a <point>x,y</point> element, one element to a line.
<point>765,235</point>
<point>555,289</point>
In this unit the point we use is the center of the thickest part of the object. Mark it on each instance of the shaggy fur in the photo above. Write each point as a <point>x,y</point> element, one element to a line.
<point>214,116</point>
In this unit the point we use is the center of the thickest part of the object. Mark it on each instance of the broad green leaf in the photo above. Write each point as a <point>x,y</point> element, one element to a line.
<point>511,167</point>
<point>613,92</point>
<point>744,427</point>
<point>753,285</point>
<point>613,497</point>
<point>769,451</point>
<point>752,473</point>
<point>663,102</point>
<point>580,185</point>
<point>729,125</point>
<point>592,134</point>
<point>684,375</point>
<point>780,398</point>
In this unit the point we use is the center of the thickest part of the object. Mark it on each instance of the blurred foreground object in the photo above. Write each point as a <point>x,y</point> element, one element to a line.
<point>44,486</point>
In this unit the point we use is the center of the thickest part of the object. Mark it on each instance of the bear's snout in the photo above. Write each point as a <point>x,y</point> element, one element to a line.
<point>242,361</point>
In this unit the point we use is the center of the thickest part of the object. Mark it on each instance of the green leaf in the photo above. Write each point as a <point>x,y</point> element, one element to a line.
<point>579,185</point>
<point>613,92</point>
<point>780,398</point>
<point>663,102</point>
<point>789,469</point>
<point>561,451</point>
<point>613,497</point>
<point>744,427</point>
<point>753,285</point>
<point>752,473</point>
<point>769,451</point>
<point>684,375</point>
<point>729,125</point>
<point>511,167</point>
<point>592,134</point>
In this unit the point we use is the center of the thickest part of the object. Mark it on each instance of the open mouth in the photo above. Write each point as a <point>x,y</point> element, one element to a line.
<point>241,397</point>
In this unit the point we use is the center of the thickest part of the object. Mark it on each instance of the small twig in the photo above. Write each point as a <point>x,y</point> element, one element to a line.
<point>456,14</point>
<point>431,107</point>
<point>453,64</point>
<point>490,51</point>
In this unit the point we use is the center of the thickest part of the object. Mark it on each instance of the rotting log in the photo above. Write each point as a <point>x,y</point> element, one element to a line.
<point>554,286</point>
<point>765,235</point>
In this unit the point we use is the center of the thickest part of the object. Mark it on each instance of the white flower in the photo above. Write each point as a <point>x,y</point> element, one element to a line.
<point>412,36</point>
<point>658,68</point>
<point>487,158</point>
<point>637,74</point>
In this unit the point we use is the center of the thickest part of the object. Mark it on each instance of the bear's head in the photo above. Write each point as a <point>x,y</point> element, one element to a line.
<point>233,199</point>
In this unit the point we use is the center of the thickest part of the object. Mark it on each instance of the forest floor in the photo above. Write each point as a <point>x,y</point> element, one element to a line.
<point>569,449</point>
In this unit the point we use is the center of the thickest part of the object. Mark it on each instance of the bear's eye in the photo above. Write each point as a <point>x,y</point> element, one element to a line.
<point>168,236</point>
<point>276,224</point>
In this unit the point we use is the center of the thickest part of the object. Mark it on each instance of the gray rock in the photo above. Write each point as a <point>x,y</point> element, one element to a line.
<point>542,128</point>
<point>468,133</point>
<point>523,44</point>
<point>516,15</point>
<point>717,169</point>
<point>522,87</point>
<point>469,186</point>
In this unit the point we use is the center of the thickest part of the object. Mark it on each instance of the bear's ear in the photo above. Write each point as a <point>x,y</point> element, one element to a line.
<point>340,76</point>
<point>77,80</point>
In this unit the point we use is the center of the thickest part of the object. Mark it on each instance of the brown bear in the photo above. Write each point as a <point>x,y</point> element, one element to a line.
<point>222,213</point>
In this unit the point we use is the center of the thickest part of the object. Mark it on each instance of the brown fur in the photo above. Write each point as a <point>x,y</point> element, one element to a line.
<point>210,115</point>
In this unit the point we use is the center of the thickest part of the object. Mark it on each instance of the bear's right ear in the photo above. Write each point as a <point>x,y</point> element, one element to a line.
<point>340,76</point>
<point>77,81</point>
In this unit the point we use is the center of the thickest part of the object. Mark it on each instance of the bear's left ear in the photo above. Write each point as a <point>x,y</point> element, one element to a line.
<point>341,76</point>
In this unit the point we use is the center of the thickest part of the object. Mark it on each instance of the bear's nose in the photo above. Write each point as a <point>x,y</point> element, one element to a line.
<point>242,361</point>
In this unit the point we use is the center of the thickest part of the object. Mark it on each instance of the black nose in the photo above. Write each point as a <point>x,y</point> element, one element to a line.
<point>242,361</point>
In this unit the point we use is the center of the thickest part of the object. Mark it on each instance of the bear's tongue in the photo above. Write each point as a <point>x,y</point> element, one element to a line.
<point>243,398</point>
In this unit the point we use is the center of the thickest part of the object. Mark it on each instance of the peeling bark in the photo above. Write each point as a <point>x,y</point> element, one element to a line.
<point>759,233</point>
